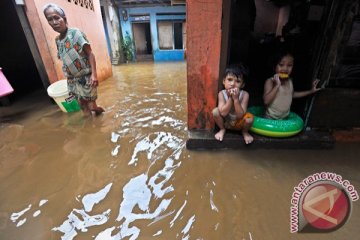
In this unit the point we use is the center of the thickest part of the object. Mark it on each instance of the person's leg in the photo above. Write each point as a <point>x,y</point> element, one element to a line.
<point>220,122</point>
<point>85,107</point>
<point>248,121</point>
<point>89,92</point>
<point>77,88</point>
<point>95,108</point>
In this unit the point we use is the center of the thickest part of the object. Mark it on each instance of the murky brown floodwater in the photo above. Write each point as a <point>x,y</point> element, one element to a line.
<point>128,175</point>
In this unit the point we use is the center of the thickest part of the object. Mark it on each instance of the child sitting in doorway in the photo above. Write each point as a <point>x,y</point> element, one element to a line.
<point>232,105</point>
<point>279,91</point>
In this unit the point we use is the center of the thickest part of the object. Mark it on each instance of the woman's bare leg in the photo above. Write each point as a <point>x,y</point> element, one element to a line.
<point>95,108</point>
<point>85,108</point>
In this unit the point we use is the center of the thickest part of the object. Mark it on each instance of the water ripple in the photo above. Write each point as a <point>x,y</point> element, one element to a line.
<point>149,146</point>
<point>80,220</point>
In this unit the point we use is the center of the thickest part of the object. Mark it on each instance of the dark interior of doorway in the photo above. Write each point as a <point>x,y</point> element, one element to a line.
<point>142,38</point>
<point>256,51</point>
<point>178,35</point>
<point>16,60</point>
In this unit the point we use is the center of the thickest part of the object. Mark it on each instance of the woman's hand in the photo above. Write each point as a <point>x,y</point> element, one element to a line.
<point>94,81</point>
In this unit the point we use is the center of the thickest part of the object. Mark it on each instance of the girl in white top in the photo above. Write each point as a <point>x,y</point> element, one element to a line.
<point>279,91</point>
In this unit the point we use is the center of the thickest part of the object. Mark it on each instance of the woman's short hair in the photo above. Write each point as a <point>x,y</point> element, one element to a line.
<point>57,8</point>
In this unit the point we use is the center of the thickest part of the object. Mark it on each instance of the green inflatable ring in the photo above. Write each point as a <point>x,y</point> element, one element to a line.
<point>275,128</point>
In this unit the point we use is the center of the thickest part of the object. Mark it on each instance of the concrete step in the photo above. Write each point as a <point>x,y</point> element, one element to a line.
<point>201,139</point>
<point>115,61</point>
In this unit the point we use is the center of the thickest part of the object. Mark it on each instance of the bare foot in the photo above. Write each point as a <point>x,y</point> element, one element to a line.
<point>220,134</point>
<point>87,113</point>
<point>247,138</point>
<point>98,111</point>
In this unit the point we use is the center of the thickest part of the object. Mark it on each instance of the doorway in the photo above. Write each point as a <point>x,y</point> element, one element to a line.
<point>259,29</point>
<point>16,61</point>
<point>142,39</point>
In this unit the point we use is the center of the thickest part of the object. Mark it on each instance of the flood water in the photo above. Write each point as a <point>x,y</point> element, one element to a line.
<point>128,175</point>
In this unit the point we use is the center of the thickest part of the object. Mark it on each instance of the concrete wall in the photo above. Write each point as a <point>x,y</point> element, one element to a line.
<point>113,27</point>
<point>158,54</point>
<point>89,21</point>
<point>203,60</point>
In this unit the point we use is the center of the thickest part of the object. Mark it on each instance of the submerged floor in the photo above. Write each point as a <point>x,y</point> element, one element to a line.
<point>128,175</point>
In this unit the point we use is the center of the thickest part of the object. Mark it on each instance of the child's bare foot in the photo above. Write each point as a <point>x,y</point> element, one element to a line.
<point>220,134</point>
<point>98,111</point>
<point>247,138</point>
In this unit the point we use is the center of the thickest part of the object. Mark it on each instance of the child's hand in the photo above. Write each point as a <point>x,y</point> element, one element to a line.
<point>228,92</point>
<point>235,94</point>
<point>276,79</point>
<point>314,88</point>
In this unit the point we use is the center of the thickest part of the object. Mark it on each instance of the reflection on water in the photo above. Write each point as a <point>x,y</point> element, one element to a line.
<point>79,220</point>
<point>128,175</point>
<point>16,215</point>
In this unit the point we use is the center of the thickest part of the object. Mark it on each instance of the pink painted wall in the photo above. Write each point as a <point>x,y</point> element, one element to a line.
<point>36,27</point>
<point>89,21</point>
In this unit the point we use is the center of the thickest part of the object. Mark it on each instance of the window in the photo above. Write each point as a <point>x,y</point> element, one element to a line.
<point>84,3</point>
<point>171,35</point>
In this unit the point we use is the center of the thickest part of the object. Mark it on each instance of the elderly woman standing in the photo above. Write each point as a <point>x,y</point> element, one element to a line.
<point>79,63</point>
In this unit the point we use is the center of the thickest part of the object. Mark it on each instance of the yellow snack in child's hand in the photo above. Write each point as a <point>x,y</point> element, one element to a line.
<point>283,75</point>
